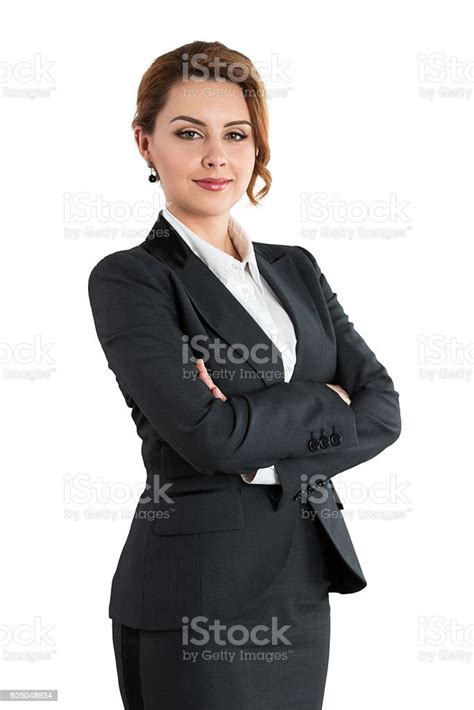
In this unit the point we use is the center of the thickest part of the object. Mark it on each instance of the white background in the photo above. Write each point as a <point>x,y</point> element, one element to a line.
<point>355,121</point>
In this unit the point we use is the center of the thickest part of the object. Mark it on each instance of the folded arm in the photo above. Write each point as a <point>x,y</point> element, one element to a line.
<point>136,320</point>
<point>374,400</point>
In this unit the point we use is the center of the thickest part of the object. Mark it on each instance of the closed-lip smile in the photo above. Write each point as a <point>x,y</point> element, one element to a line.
<point>213,184</point>
<point>214,180</point>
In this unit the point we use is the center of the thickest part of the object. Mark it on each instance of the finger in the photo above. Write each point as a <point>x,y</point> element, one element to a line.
<point>217,393</point>
<point>341,392</point>
<point>199,363</point>
<point>207,379</point>
<point>203,373</point>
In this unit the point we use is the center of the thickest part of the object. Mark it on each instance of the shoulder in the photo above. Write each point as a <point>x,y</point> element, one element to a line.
<point>135,256</point>
<point>134,263</point>
<point>127,289</point>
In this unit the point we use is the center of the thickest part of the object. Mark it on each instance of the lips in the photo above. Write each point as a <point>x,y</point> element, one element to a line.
<point>213,184</point>
<point>215,181</point>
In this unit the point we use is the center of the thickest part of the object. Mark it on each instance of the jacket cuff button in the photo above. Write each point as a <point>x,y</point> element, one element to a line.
<point>313,444</point>
<point>324,441</point>
<point>336,438</point>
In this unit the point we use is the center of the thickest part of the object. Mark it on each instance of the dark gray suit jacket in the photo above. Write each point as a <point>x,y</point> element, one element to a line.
<point>155,306</point>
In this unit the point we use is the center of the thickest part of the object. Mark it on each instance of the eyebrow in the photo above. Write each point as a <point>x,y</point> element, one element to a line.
<point>190,119</point>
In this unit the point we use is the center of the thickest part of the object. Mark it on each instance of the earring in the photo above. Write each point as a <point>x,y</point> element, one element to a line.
<point>153,176</point>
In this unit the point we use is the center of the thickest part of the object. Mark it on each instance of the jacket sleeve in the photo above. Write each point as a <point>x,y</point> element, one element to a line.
<point>137,323</point>
<point>374,400</point>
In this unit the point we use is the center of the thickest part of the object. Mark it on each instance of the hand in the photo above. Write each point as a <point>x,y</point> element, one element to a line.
<point>341,392</point>
<point>207,379</point>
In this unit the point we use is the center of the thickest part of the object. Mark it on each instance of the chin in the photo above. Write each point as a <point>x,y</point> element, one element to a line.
<point>209,206</point>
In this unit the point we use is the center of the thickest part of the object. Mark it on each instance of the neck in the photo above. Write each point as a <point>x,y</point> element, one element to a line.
<point>214,229</point>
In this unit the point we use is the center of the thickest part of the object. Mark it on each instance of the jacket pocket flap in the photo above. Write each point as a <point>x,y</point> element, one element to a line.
<point>176,469</point>
<point>204,511</point>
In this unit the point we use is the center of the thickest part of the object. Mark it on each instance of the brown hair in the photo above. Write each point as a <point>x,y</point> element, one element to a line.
<point>195,59</point>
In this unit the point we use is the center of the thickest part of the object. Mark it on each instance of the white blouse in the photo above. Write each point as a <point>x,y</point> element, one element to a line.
<point>244,281</point>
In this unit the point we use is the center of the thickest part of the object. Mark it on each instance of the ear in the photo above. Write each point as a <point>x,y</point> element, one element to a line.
<point>142,141</point>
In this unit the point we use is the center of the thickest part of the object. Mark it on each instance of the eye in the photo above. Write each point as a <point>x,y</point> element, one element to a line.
<point>181,134</point>
<point>242,136</point>
<point>185,135</point>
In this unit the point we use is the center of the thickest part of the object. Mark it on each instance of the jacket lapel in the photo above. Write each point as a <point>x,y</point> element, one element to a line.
<point>226,315</point>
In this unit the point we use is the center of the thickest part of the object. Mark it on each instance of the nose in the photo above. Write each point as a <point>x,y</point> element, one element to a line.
<point>214,161</point>
<point>214,156</point>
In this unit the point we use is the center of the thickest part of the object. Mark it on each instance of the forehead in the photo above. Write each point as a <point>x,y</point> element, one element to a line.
<point>210,101</point>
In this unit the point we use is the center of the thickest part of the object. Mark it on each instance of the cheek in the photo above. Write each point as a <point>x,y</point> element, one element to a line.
<point>244,158</point>
<point>246,166</point>
<point>176,168</point>
<point>173,156</point>
<point>170,160</point>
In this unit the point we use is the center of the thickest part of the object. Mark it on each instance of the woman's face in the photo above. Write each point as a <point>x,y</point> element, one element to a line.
<point>213,138</point>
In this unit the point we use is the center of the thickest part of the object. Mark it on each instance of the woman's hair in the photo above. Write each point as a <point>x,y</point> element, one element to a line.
<point>204,60</point>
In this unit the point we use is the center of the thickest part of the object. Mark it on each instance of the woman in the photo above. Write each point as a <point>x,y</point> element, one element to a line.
<point>250,389</point>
